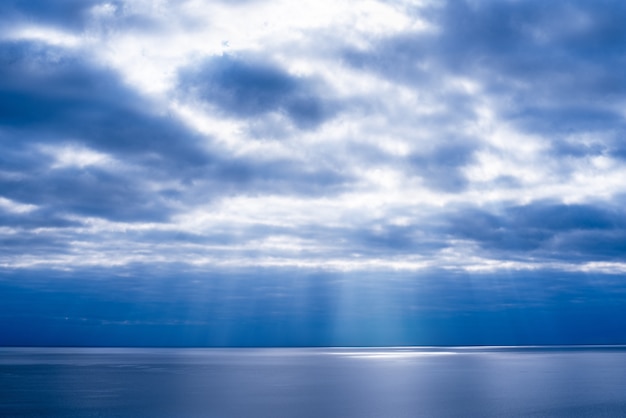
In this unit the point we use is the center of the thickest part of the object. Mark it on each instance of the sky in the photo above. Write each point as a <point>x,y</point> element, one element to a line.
<point>312,172</point>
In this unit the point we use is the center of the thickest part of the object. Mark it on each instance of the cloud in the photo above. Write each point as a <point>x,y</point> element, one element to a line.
<point>35,219</point>
<point>249,88</point>
<point>442,168</point>
<point>55,102</point>
<point>90,192</point>
<point>54,94</point>
<point>52,99</point>
<point>547,68</point>
<point>34,245</point>
<point>545,230</point>
<point>66,13</point>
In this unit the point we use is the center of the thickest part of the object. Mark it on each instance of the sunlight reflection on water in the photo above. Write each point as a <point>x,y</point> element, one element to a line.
<point>314,382</point>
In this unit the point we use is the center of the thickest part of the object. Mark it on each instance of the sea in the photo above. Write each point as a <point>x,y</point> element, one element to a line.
<point>399,382</point>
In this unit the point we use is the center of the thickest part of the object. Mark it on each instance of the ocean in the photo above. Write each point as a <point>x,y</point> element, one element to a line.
<point>313,382</point>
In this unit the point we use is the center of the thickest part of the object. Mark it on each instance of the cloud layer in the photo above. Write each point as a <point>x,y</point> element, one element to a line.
<point>488,130</point>
<point>438,138</point>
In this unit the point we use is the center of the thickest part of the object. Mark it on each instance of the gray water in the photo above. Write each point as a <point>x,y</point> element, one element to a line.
<point>325,382</point>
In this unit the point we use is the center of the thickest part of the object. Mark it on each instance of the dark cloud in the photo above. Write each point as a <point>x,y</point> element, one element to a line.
<point>249,88</point>
<point>91,192</point>
<point>577,149</point>
<point>281,175</point>
<point>576,232</point>
<point>565,119</point>
<point>17,157</point>
<point>592,245</point>
<point>394,238</point>
<point>249,176</point>
<point>36,218</point>
<point>388,240</point>
<point>564,51</point>
<point>441,169</point>
<point>33,245</point>
<point>73,14</point>
<point>78,16</point>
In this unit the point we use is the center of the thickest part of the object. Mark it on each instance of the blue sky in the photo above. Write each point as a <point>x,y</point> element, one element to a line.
<point>312,172</point>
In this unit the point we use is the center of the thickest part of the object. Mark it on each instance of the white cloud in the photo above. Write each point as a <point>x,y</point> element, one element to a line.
<point>15,207</point>
<point>49,35</point>
<point>73,155</point>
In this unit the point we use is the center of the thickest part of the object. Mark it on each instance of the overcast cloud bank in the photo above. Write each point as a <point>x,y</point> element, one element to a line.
<point>377,137</point>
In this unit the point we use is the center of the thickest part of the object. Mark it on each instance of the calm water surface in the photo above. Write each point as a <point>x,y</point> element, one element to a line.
<point>329,382</point>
